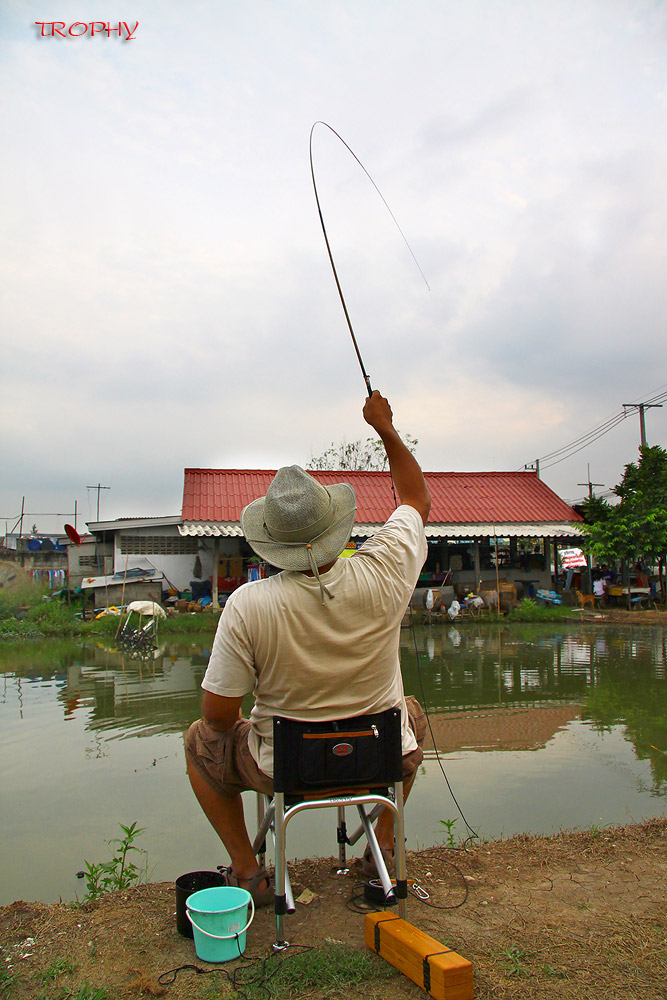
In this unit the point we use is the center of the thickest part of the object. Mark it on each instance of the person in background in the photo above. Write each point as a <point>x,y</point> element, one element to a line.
<point>600,589</point>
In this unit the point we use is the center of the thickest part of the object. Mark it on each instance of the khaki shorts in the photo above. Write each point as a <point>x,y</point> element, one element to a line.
<point>225,762</point>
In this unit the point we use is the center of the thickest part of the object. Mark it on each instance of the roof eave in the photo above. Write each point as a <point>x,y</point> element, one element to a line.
<point>473,529</point>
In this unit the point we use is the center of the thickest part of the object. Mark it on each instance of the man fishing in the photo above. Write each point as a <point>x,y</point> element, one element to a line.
<point>315,642</point>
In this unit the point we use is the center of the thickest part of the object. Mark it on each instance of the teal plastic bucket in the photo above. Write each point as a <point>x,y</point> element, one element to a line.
<point>219,918</point>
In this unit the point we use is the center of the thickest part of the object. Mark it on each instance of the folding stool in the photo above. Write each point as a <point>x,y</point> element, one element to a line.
<point>345,762</point>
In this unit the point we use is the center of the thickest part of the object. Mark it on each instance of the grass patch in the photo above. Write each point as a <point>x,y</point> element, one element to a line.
<point>514,961</point>
<point>7,979</point>
<point>21,596</point>
<point>60,967</point>
<point>325,972</point>
<point>88,992</point>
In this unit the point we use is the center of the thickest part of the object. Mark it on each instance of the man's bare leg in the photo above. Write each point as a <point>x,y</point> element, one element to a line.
<point>226,817</point>
<point>384,828</point>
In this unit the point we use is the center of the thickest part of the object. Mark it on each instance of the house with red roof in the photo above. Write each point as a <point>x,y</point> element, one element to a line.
<point>482,526</point>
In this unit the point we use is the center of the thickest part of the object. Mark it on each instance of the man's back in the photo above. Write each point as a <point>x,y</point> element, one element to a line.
<point>306,660</point>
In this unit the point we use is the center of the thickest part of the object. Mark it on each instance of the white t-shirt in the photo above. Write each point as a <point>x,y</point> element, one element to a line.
<point>306,660</point>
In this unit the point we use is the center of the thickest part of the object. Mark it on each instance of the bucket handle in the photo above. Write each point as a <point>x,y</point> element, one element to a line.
<point>222,937</point>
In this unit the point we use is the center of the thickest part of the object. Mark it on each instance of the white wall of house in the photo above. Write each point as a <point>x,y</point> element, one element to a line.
<point>158,546</point>
<point>181,559</point>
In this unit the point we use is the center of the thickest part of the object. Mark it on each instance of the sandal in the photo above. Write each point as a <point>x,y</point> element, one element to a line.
<point>261,897</point>
<point>367,864</point>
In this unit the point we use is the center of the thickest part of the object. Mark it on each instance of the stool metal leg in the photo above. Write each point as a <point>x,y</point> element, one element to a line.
<point>399,853</point>
<point>372,815</point>
<point>280,903</point>
<point>342,842</point>
<point>376,852</point>
<point>265,809</point>
<point>259,849</point>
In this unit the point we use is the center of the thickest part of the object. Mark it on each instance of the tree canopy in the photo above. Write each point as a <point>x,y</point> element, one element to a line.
<point>636,527</point>
<point>363,456</point>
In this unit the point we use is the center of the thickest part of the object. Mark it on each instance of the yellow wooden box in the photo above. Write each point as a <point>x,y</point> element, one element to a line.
<point>427,962</point>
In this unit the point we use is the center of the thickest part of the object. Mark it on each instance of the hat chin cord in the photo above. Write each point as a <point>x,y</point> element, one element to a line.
<point>316,573</point>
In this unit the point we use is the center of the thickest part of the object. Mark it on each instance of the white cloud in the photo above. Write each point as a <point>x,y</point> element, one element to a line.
<point>164,271</point>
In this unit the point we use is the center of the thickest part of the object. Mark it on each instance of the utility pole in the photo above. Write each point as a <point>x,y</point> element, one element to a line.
<point>98,488</point>
<point>533,467</point>
<point>642,424</point>
<point>589,561</point>
<point>590,484</point>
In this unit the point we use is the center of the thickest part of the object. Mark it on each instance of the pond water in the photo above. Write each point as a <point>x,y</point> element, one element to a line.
<point>537,728</point>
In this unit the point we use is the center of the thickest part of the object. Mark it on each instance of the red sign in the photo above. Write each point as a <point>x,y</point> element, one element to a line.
<point>572,558</point>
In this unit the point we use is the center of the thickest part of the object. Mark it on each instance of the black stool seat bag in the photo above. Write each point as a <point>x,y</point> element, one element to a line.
<point>361,751</point>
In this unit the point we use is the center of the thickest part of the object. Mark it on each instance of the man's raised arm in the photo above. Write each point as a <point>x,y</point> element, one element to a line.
<point>405,471</point>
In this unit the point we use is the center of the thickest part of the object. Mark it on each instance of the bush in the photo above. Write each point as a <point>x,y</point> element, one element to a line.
<point>15,600</point>
<point>529,610</point>
<point>32,612</point>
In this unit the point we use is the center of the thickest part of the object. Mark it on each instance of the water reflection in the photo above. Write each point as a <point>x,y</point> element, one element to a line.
<point>606,676</point>
<point>612,676</point>
<point>539,727</point>
<point>481,665</point>
<point>117,694</point>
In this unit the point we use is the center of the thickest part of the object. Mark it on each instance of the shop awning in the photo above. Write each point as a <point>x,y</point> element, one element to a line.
<point>523,529</point>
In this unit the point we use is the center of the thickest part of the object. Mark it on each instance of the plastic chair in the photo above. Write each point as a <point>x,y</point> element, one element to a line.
<point>346,762</point>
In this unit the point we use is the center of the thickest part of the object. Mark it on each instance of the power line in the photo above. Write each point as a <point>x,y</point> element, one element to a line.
<point>659,394</point>
<point>585,439</point>
<point>578,444</point>
<point>604,495</point>
<point>583,443</point>
<point>598,430</point>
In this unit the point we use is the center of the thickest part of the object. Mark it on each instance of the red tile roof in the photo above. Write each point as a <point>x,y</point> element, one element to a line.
<point>457,497</point>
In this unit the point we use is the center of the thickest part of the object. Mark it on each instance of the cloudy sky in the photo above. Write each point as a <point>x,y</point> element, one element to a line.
<point>167,300</point>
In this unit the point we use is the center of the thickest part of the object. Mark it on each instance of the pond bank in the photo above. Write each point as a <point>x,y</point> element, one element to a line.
<point>55,622</point>
<point>576,915</point>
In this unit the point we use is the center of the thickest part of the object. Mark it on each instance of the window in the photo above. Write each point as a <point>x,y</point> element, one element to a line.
<point>158,545</point>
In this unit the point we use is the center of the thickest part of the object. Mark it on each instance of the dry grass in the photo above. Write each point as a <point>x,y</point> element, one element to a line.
<point>579,915</point>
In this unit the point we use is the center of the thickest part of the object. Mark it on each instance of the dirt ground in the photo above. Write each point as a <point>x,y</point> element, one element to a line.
<point>576,915</point>
<point>621,616</point>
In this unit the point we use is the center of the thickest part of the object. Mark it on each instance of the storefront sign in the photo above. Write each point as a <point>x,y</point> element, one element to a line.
<point>572,558</point>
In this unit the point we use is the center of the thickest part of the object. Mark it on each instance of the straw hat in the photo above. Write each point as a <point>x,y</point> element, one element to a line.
<point>299,524</point>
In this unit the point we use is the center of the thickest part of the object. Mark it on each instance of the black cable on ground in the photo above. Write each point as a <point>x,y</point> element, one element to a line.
<point>237,977</point>
<point>359,903</point>
<point>436,852</point>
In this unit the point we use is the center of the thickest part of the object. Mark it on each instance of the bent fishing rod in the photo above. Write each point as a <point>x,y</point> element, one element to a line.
<point>326,240</point>
<point>473,834</point>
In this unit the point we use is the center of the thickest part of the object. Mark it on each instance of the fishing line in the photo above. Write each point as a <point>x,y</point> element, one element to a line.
<point>326,240</point>
<point>473,834</point>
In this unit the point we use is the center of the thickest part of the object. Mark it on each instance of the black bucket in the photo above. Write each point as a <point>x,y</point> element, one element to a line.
<point>185,886</point>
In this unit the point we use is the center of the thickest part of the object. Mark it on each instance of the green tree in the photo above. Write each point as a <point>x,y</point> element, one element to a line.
<point>636,527</point>
<point>364,456</point>
<point>595,510</point>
